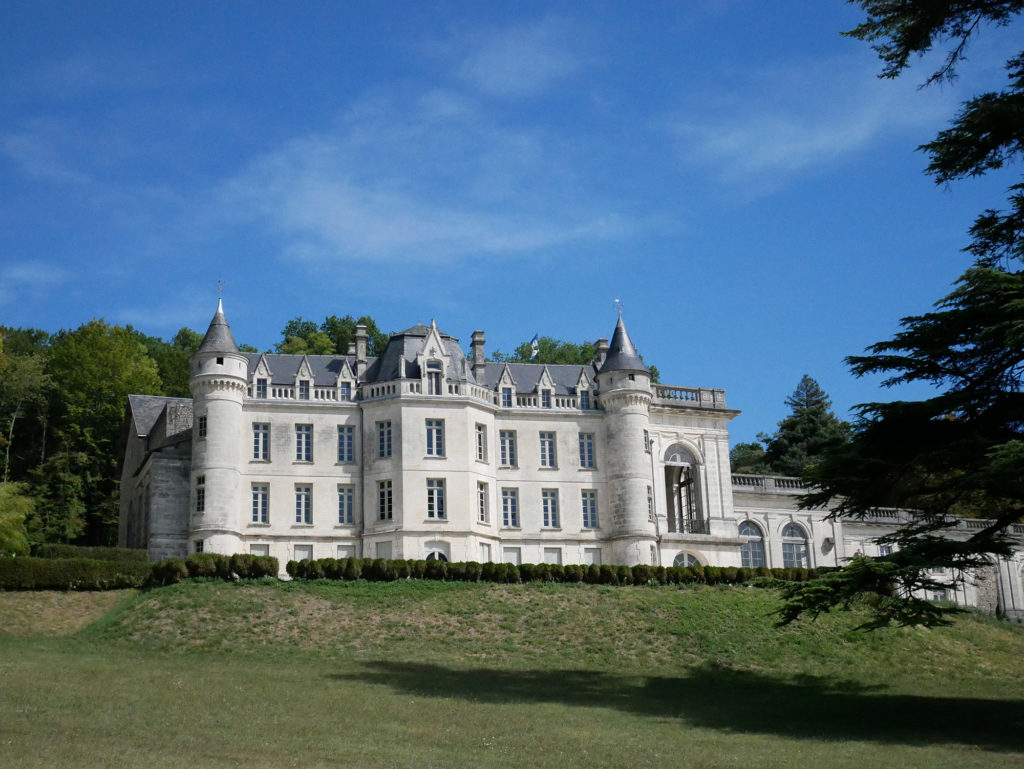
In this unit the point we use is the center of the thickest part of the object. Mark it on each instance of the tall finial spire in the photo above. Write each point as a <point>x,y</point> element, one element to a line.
<point>619,306</point>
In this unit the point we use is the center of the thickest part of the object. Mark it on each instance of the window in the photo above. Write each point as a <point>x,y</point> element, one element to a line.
<point>547,450</point>
<point>383,550</point>
<point>794,547</point>
<point>200,493</point>
<point>303,443</point>
<point>589,509</point>
<point>552,555</point>
<point>435,437</point>
<point>751,551</point>
<point>585,399</point>
<point>647,441</point>
<point>545,399</point>
<point>435,498</point>
<point>433,378</point>
<point>303,552</point>
<point>384,500</point>
<point>201,427</point>
<point>346,443</point>
<point>481,443</point>
<point>650,504</point>
<point>199,545</point>
<point>303,389</point>
<point>261,441</point>
<point>436,555</point>
<point>384,439</point>
<point>346,498</point>
<point>259,549</point>
<point>485,552</point>
<point>506,397</point>
<point>346,391</point>
<point>507,445</point>
<point>592,555</point>
<point>587,450</point>
<point>261,388</point>
<point>260,503</point>
<point>512,555</point>
<point>510,508</point>
<point>346,551</point>
<point>884,550</point>
<point>304,504</point>
<point>549,507</point>
<point>685,559</point>
<point>482,509</point>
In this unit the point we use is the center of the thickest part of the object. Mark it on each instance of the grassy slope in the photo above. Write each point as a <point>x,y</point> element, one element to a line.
<point>432,674</point>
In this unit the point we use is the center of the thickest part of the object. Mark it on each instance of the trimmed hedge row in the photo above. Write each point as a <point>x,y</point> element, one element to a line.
<point>213,565</point>
<point>380,570</point>
<point>32,573</point>
<point>120,554</point>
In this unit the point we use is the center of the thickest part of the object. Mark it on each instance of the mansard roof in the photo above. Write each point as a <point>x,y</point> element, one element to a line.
<point>622,355</point>
<point>285,366</point>
<point>408,344</point>
<point>218,336</point>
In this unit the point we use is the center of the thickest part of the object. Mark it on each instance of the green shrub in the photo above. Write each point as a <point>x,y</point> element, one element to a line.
<point>729,575</point>
<point>28,573</point>
<point>511,573</point>
<point>418,568</point>
<point>625,574</point>
<point>473,571</point>
<point>592,575</point>
<point>352,570</point>
<point>119,554</point>
<point>292,569</point>
<point>168,572</point>
<point>674,575</point>
<point>264,566</point>
<point>402,569</point>
<point>573,572</point>
<point>455,572</point>
<point>331,568</point>
<point>642,574</point>
<point>435,569</point>
<point>609,574</point>
<point>489,572</point>
<point>208,565</point>
<point>314,569</point>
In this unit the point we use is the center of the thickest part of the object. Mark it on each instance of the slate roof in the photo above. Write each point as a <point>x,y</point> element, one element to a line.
<point>622,355</point>
<point>146,410</point>
<point>527,376</point>
<point>218,336</point>
<point>283,366</point>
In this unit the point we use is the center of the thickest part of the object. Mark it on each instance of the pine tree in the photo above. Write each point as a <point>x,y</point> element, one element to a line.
<point>809,430</point>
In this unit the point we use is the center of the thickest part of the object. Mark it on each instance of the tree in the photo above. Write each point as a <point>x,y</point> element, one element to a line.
<point>332,337</point>
<point>171,359</point>
<point>23,387</point>
<point>810,430</point>
<point>960,452</point>
<point>94,369</point>
<point>15,505</point>
<point>748,458</point>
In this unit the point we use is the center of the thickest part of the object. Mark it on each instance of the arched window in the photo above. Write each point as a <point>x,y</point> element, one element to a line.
<point>682,492</point>
<point>436,555</point>
<point>752,551</point>
<point>685,559</point>
<point>794,547</point>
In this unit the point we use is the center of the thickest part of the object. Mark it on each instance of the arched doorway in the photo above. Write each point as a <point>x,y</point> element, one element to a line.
<point>683,492</point>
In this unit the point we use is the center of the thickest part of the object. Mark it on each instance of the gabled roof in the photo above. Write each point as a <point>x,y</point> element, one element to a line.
<point>528,375</point>
<point>284,367</point>
<point>145,410</point>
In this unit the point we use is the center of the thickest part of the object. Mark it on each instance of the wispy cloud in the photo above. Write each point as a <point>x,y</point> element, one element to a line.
<point>38,150</point>
<point>519,61</point>
<point>419,178</point>
<point>27,280</point>
<point>785,120</point>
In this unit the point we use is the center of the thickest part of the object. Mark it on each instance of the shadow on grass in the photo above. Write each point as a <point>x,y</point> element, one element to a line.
<point>734,701</point>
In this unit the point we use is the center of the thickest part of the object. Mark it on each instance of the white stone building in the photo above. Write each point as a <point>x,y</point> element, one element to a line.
<point>423,453</point>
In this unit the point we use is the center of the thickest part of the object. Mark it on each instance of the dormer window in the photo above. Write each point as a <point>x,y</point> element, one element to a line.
<point>303,389</point>
<point>506,397</point>
<point>585,399</point>
<point>346,391</point>
<point>261,388</point>
<point>545,399</point>
<point>434,378</point>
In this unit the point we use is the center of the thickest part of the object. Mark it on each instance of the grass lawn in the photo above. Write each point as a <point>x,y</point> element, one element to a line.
<point>207,674</point>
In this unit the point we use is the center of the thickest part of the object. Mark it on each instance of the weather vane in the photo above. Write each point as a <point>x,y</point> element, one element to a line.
<point>220,288</point>
<point>618,306</point>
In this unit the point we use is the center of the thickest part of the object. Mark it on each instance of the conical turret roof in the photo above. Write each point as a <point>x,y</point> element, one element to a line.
<point>622,355</point>
<point>218,336</point>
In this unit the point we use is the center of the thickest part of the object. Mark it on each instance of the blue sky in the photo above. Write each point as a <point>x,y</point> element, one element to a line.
<point>732,171</point>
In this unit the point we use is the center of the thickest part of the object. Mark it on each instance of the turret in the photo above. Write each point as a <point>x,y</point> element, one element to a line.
<point>218,377</point>
<point>624,386</point>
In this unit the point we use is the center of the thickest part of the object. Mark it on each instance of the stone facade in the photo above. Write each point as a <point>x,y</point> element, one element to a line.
<point>423,453</point>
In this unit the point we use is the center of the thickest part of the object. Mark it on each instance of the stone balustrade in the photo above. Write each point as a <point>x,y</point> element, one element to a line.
<point>695,397</point>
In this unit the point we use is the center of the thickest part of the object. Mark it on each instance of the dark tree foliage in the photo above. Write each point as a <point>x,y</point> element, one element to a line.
<point>809,431</point>
<point>961,452</point>
<point>332,337</point>
<point>748,458</point>
<point>171,359</point>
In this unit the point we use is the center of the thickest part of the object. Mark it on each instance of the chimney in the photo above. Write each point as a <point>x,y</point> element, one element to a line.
<point>479,365</point>
<point>351,349</point>
<point>602,351</point>
<point>360,351</point>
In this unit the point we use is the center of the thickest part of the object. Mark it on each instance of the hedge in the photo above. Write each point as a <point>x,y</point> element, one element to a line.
<point>33,573</point>
<point>120,554</point>
<point>380,570</point>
